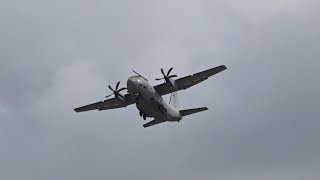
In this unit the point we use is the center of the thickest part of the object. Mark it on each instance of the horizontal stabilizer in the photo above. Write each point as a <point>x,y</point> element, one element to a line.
<point>151,123</point>
<point>192,111</point>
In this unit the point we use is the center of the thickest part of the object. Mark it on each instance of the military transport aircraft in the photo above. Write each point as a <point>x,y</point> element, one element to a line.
<point>148,98</point>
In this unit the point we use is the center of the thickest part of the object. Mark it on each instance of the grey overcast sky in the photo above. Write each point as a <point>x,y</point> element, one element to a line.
<point>264,114</point>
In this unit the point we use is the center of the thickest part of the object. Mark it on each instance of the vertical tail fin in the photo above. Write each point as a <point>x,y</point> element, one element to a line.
<point>174,100</point>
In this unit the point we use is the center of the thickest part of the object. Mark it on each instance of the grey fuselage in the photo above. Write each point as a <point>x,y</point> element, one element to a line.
<point>150,102</point>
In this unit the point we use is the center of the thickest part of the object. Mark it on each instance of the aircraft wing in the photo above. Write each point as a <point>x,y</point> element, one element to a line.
<point>113,103</point>
<point>188,81</point>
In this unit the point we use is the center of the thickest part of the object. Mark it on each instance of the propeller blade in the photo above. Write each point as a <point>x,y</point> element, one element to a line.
<point>109,95</point>
<point>117,85</point>
<point>110,88</point>
<point>159,79</point>
<point>172,76</point>
<point>169,71</point>
<point>163,72</point>
<point>121,89</point>
<point>120,96</point>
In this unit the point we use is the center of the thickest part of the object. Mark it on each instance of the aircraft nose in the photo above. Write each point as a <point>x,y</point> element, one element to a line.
<point>131,83</point>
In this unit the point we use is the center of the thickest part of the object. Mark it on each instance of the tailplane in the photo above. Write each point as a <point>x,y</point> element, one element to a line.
<point>192,111</point>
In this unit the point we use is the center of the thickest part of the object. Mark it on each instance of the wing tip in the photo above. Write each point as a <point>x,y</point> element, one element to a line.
<point>224,67</point>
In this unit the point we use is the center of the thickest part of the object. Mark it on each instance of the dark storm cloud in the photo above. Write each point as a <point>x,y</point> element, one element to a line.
<point>263,118</point>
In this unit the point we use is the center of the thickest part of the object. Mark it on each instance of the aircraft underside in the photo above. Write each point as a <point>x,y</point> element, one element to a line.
<point>148,98</point>
<point>151,109</point>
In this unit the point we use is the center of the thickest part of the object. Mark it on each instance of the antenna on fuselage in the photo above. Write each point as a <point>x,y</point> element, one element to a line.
<point>140,75</point>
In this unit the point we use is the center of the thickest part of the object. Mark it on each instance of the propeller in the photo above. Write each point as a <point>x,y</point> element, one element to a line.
<point>116,92</point>
<point>167,76</point>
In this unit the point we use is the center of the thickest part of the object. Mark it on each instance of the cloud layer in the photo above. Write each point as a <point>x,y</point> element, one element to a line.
<point>263,121</point>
